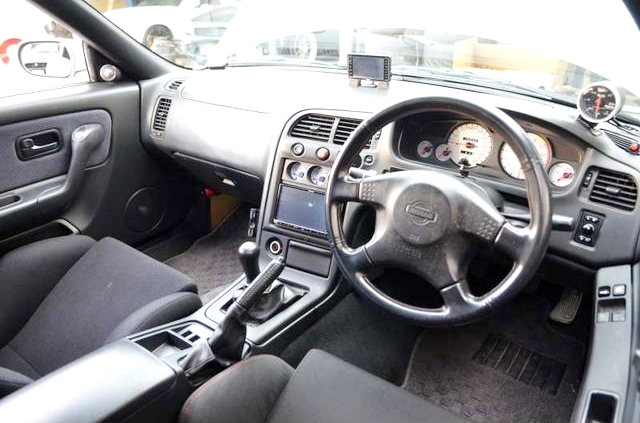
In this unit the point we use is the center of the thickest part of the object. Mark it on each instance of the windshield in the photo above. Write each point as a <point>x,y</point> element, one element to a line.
<point>549,47</point>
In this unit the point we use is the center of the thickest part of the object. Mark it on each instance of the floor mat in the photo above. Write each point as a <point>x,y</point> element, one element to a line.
<point>362,335</point>
<point>212,261</point>
<point>510,368</point>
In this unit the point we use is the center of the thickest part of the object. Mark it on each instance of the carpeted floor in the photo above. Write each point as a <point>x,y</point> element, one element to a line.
<point>510,368</point>
<point>362,335</point>
<point>212,261</point>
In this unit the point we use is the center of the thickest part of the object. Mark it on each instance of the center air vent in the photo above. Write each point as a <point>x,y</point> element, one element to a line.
<point>175,84</point>
<point>614,189</point>
<point>313,127</point>
<point>160,116</point>
<point>345,127</point>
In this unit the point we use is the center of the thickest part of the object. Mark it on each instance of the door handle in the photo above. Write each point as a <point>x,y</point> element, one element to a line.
<point>39,144</point>
<point>35,147</point>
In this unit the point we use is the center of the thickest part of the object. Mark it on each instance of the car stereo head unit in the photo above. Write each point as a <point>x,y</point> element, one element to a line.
<point>301,210</point>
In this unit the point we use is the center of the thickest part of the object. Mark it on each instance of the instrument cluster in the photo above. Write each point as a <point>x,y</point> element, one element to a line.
<point>455,143</point>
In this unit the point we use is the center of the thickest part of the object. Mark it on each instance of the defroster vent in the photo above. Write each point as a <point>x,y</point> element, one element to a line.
<point>615,189</point>
<point>161,115</point>
<point>174,84</point>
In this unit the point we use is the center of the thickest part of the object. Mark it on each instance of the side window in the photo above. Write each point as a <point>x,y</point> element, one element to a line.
<point>36,53</point>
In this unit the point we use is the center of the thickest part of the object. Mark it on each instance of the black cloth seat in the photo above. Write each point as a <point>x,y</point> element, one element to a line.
<point>323,389</point>
<point>64,297</point>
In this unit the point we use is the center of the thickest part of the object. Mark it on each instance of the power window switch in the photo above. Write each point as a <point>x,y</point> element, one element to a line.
<point>619,290</point>
<point>618,316</point>
<point>603,316</point>
<point>604,291</point>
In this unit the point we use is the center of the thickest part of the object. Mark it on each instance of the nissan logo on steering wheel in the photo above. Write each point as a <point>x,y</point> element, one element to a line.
<point>420,213</point>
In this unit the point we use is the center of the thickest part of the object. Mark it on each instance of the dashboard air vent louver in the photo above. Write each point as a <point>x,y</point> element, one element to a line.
<point>161,115</point>
<point>345,127</point>
<point>623,141</point>
<point>313,127</point>
<point>175,84</point>
<point>614,189</point>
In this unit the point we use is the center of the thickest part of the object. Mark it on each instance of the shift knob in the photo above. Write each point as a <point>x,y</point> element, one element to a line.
<point>249,254</point>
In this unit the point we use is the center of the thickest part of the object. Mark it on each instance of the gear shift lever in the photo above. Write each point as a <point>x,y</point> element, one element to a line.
<point>226,344</point>
<point>249,254</point>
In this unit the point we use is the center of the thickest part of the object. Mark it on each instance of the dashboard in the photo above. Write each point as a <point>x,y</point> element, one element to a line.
<point>281,132</point>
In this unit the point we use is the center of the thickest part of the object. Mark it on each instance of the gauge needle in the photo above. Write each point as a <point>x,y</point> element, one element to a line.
<point>598,104</point>
<point>567,175</point>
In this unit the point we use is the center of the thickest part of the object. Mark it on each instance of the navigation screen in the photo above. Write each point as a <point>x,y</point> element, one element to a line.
<point>301,208</point>
<point>367,67</point>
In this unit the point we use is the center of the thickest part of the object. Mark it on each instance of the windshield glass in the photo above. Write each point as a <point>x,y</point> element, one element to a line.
<point>549,47</point>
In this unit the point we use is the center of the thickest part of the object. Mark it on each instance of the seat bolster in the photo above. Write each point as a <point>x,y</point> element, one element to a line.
<point>11,381</point>
<point>29,273</point>
<point>163,310</point>
<point>325,389</point>
<point>245,392</point>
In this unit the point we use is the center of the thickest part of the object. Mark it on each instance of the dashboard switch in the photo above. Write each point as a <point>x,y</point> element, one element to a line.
<point>297,149</point>
<point>587,179</point>
<point>604,291</point>
<point>322,153</point>
<point>588,228</point>
<point>619,290</point>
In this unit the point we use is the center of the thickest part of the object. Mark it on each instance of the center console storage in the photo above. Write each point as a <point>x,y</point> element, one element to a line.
<point>121,381</point>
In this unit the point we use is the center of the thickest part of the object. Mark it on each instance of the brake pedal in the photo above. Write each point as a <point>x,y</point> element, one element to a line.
<point>567,308</point>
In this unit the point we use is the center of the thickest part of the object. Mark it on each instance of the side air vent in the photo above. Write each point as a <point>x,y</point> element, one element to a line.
<point>160,116</point>
<point>313,127</point>
<point>175,84</point>
<point>624,142</point>
<point>614,189</point>
<point>345,127</point>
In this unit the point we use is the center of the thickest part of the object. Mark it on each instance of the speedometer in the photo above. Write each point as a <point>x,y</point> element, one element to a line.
<point>470,141</point>
<point>510,163</point>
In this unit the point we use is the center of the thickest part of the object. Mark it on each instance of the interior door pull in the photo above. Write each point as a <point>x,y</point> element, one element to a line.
<point>84,141</point>
<point>39,144</point>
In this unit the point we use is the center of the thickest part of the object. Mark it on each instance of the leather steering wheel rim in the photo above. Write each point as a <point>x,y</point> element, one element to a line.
<point>428,221</point>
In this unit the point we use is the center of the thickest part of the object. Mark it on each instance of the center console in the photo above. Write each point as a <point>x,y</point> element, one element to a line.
<point>292,221</point>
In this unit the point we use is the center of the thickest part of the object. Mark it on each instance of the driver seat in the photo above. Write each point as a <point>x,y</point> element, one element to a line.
<point>323,389</point>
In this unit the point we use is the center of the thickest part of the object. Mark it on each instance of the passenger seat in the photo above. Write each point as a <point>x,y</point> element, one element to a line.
<point>64,297</point>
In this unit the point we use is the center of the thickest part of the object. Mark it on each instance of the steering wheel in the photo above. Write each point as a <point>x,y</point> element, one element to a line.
<point>430,223</point>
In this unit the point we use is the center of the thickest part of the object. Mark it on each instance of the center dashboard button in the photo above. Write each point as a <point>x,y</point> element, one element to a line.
<point>322,153</point>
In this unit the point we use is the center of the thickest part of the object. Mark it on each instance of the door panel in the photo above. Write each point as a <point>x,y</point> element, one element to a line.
<point>17,172</point>
<point>123,192</point>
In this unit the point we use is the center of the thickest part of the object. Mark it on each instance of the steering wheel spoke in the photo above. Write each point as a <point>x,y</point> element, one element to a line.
<point>513,240</point>
<point>370,190</point>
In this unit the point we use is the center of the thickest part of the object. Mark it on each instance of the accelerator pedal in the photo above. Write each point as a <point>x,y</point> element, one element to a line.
<point>567,308</point>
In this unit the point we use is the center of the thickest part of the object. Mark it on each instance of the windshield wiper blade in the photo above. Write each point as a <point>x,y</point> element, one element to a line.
<point>469,78</point>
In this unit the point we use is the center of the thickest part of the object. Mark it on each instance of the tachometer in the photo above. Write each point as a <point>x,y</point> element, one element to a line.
<point>510,163</point>
<point>470,141</point>
<point>599,102</point>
